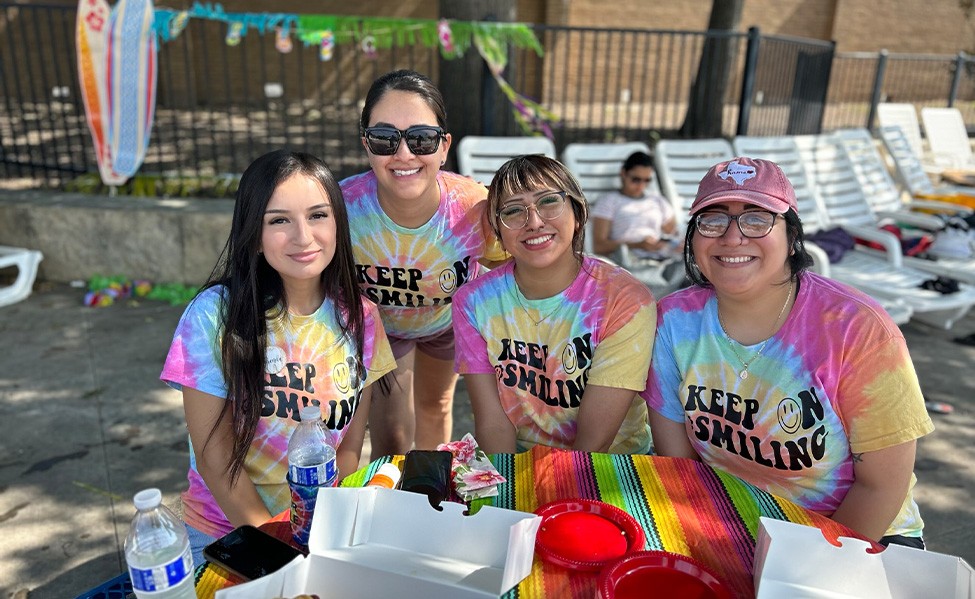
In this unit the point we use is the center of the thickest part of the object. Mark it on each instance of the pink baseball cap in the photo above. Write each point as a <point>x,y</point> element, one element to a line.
<point>750,180</point>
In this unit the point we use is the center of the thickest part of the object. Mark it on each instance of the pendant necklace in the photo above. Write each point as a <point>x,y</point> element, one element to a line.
<point>743,374</point>
<point>517,293</point>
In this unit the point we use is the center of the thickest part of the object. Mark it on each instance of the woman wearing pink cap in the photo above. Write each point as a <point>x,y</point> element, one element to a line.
<point>794,382</point>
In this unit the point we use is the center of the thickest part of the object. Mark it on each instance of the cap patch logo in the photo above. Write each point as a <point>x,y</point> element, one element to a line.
<point>739,172</point>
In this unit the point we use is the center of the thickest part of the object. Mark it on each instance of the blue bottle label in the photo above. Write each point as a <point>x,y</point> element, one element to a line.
<point>313,476</point>
<point>162,577</point>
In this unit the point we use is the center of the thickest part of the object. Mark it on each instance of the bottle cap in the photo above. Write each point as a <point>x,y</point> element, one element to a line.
<point>310,412</point>
<point>147,499</point>
<point>386,476</point>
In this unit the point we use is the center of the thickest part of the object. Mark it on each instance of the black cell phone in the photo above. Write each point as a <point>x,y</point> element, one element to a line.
<point>428,472</point>
<point>249,553</point>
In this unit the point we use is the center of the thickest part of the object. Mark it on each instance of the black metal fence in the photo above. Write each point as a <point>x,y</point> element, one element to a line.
<point>218,106</point>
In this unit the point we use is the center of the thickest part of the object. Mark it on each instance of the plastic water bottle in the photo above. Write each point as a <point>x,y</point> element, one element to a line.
<point>311,465</point>
<point>157,551</point>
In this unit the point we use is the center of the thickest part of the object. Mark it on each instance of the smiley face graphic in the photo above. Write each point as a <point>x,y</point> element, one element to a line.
<point>448,280</point>
<point>340,377</point>
<point>789,415</point>
<point>570,361</point>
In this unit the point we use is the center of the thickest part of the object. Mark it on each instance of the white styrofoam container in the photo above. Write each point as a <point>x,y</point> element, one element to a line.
<point>797,562</point>
<point>371,542</point>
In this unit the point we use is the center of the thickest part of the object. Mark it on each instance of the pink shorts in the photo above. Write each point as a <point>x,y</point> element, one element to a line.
<point>439,346</point>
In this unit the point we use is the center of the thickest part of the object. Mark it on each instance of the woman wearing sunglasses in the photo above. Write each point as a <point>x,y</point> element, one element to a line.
<point>794,382</point>
<point>554,346</point>
<point>419,234</point>
<point>635,217</point>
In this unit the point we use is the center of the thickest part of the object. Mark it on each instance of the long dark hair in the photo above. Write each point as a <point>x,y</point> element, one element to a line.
<point>405,81</point>
<point>254,291</point>
<point>799,259</point>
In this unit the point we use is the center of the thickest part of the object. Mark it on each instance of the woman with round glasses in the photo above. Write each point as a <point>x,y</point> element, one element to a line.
<point>419,234</point>
<point>794,382</point>
<point>554,346</point>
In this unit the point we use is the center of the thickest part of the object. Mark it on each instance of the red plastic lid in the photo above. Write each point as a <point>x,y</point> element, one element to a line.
<point>667,574</point>
<point>583,534</point>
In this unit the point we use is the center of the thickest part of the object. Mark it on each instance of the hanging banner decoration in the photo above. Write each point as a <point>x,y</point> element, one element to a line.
<point>327,45</point>
<point>91,33</point>
<point>282,41</point>
<point>373,34</point>
<point>368,44</point>
<point>446,37</point>
<point>132,83</point>
<point>532,117</point>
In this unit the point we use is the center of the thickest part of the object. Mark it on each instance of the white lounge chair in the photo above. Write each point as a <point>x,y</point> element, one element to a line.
<point>948,138</point>
<point>811,162</point>
<point>903,115</point>
<point>911,173</point>
<point>597,165</point>
<point>846,205</point>
<point>681,163</point>
<point>886,199</point>
<point>25,261</point>
<point>479,157</point>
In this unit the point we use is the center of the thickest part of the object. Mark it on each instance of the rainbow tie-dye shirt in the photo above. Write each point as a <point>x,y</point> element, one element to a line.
<point>835,380</point>
<point>412,274</point>
<point>599,331</point>
<point>307,361</point>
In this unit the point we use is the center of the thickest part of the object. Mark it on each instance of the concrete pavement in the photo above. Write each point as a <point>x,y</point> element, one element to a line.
<point>85,423</point>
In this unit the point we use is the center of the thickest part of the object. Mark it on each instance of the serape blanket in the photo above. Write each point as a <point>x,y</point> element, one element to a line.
<point>684,507</point>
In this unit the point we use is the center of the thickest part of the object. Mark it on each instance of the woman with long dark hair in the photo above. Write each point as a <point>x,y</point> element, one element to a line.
<point>280,324</point>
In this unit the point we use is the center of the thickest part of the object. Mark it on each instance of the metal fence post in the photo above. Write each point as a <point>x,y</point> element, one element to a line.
<point>748,80</point>
<point>878,86</point>
<point>956,77</point>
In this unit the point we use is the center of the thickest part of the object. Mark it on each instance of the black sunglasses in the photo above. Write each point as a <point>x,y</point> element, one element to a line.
<point>422,140</point>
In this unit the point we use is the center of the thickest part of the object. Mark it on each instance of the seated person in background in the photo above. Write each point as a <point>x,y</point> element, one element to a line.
<point>796,383</point>
<point>642,221</point>
<point>554,346</point>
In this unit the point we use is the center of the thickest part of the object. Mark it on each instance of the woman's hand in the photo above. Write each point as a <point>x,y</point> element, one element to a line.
<point>238,500</point>
<point>882,480</point>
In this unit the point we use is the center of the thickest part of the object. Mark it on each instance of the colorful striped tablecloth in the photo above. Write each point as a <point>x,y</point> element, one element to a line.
<point>683,506</point>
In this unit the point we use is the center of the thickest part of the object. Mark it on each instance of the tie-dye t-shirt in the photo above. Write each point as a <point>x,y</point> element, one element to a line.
<point>307,361</point>
<point>599,331</point>
<point>835,380</point>
<point>412,274</point>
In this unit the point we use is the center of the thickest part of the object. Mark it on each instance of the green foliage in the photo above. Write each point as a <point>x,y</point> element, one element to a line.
<point>154,186</point>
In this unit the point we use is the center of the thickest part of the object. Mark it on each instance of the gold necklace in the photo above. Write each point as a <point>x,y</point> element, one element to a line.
<point>517,293</point>
<point>732,343</point>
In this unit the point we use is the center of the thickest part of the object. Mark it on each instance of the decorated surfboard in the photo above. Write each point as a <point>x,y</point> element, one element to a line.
<point>91,33</point>
<point>131,83</point>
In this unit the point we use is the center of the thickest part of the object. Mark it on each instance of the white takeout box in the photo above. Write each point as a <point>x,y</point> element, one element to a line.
<point>373,542</point>
<point>796,561</point>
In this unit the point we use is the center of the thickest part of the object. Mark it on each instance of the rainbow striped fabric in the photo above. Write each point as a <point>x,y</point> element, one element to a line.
<point>683,506</point>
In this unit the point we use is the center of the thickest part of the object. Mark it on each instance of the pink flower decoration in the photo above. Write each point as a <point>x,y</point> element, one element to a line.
<point>476,479</point>
<point>463,450</point>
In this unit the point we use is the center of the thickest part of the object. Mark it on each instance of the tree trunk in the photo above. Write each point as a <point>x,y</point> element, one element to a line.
<point>705,106</point>
<point>475,104</point>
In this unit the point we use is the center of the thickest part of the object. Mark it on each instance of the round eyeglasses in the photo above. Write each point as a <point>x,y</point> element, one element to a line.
<point>753,225</point>
<point>422,140</point>
<point>548,207</point>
